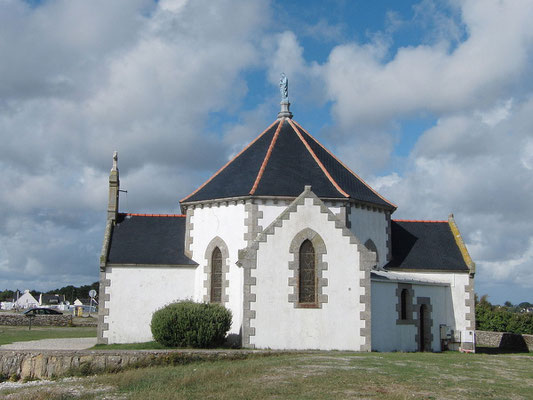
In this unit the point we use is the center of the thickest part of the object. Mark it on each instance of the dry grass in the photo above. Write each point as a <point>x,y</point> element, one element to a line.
<point>317,375</point>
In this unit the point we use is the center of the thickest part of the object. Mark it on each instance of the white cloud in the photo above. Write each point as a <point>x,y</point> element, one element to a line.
<point>497,114</point>
<point>87,78</point>
<point>474,170</point>
<point>371,88</point>
<point>476,160</point>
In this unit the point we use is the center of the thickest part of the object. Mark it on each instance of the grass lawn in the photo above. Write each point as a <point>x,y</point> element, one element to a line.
<point>10,334</point>
<point>316,375</point>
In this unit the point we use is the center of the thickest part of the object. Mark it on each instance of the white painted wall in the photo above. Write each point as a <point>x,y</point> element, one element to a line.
<point>136,292</point>
<point>457,281</point>
<point>278,324</point>
<point>368,224</point>
<point>387,335</point>
<point>227,222</point>
<point>271,210</point>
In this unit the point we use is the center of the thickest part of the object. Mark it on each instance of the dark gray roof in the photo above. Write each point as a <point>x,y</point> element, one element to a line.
<point>425,245</point>
<point>148,239</point>
<point>52,298</point>
<point>280,162</point>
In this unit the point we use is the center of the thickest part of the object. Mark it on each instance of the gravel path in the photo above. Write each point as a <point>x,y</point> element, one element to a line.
<point>52,344</point>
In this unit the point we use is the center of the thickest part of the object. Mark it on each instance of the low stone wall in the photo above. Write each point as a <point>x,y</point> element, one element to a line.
<point>504,341</point>
<point>52,364</point>
<point>37,320</point>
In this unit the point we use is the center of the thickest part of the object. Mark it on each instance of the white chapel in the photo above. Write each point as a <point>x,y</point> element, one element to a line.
<point>303,252</point>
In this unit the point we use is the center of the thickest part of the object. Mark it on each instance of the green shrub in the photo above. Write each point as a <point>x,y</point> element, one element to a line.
<point>500,319</point>
<point>190,324</point>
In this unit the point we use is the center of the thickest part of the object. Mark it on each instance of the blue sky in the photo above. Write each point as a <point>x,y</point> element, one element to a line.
<point>431,102</point>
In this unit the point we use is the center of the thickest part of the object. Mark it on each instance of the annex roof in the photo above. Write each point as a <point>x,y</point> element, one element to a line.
<point>149,239</point>
<point>280,162</point>
<point>425,245</point>
<point>389,276</point>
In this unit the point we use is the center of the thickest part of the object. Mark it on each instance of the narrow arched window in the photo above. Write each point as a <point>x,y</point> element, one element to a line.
<point>216,276</point>
<point>403,304</point>
<point>307,275</point>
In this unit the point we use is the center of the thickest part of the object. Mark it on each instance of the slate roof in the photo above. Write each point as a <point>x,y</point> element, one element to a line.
<point>425,245</point>
<point>148,239</point>
<point>280,162</point>
<point>52,298</point>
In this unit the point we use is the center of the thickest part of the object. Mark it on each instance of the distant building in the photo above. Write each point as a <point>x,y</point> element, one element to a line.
<point>300,249</point>
<point>26,301</point>
<point>51,299</point>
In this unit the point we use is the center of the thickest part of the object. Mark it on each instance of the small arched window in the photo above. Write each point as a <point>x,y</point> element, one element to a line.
<point>403,304</point>
<point>216,276</point>
<point>307,274</point>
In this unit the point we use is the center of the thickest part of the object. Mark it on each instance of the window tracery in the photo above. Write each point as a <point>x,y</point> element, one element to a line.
<point>307,273</point>
<point>216,276</point>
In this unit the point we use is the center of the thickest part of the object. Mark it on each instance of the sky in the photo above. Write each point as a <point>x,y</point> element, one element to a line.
<point>431,102</point>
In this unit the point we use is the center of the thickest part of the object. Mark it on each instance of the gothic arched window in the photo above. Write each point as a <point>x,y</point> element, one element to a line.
<point>307,273</point>
<point>216,276</point>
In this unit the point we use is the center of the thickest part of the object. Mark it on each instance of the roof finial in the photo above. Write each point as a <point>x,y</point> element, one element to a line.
<point>284,87</point>
<point>284,90</point>
<point>115,160</point>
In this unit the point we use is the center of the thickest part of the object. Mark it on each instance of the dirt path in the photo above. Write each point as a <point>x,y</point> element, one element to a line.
<point>52,344</point>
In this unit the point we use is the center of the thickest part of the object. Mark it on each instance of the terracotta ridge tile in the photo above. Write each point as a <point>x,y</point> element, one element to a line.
<point>267,157</point>
<point>353,173</point>
<point>229,162</point>
<point>324,170</point>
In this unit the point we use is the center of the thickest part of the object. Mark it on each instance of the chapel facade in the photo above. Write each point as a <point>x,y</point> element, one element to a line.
<point>302,251</point>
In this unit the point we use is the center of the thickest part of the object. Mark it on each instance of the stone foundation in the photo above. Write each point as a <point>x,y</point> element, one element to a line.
<point>52,364</point>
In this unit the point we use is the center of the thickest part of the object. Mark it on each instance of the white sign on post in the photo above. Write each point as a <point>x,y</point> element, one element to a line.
<point>92,295</point>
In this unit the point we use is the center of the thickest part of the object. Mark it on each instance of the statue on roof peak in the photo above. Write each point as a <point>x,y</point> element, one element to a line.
<point>284,87</point>
<point>115,160</point>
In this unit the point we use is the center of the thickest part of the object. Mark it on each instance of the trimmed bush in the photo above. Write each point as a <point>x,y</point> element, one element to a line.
<point>190,324</point>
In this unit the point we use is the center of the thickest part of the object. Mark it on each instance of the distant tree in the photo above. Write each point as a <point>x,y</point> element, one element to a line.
<point>72,293</point>
<point>508,304</point>
<point>501,319</point>
<point>7,295</point>
<point>525,304</point>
